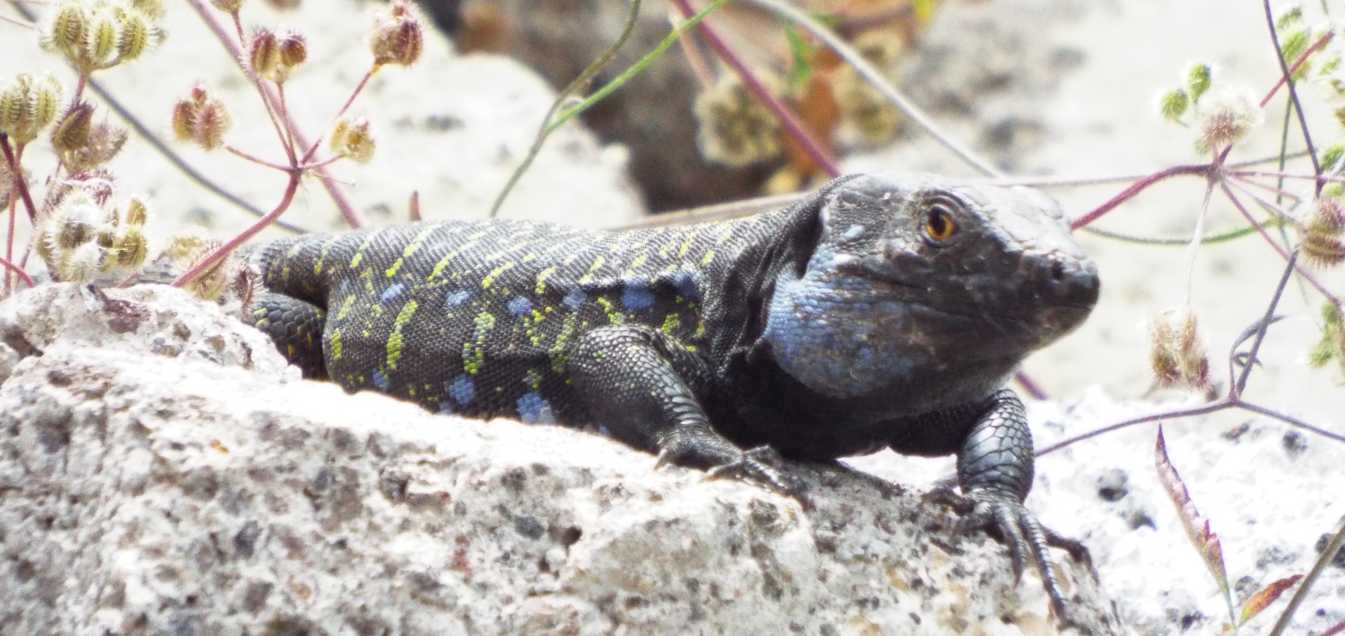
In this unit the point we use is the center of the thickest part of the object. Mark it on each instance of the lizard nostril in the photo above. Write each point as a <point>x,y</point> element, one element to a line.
<point>1057,271</point>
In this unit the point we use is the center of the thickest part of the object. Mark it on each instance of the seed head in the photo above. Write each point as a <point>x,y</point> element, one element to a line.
<point>1173,105</point>
<point>28,105</point>
<point>397,37</point>
<point>99,34</point>
<point>735,129</point>
<point>1226,118</point>
<point>1176,353</point>
<point>1198,80</point>
<point>105,142</point>
<point>227,6</point>
<point>1321,234</point>
<point>82,264</point>
<point>293,49</point>
<point>201,119</point>
<point>264,53</point>
<point>72,132</point>
<point>353,139</point>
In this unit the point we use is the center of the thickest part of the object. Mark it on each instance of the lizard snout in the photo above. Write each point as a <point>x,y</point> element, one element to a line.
<point>1068,281</point>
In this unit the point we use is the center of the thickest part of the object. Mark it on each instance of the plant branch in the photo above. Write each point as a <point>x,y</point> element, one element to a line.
<point>11,158</point>
<point>11,267</point>
<point>1312,280</point>
<point>334,190</point>
<point>1137,187</point>
<point>218,254</point>
<point>1302,58</point>
<point>1293,95</point>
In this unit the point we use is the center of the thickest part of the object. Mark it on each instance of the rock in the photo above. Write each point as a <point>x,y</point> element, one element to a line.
<point>211,493</point>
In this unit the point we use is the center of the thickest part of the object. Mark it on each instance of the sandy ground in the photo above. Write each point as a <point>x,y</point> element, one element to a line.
<point>1081,102</point>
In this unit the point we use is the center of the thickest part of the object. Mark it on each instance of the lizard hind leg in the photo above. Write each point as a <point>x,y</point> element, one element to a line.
<point>296,328</point>
<point>642,386</point>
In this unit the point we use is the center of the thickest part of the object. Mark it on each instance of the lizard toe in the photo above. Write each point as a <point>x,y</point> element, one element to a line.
<point>1007,518</point>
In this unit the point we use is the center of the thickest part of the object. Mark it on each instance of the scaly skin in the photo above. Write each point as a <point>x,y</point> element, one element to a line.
<point>871,314</point>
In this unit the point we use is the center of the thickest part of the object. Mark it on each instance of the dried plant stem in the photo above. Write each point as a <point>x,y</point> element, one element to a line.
<point>12,159</point>
<point>1332,547</point>
<point>792,125</point>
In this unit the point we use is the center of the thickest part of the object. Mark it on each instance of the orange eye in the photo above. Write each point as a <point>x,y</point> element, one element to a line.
<point>939,224</point>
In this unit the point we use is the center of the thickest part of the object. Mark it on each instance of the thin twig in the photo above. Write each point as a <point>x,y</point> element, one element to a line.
<point>1302,58</point>
<point>1135,188</point>
<point>364,81</point>
<point>1236,390</point>
<point>12,159</point>
<point>1293,95</point>
<point>1329,554</point>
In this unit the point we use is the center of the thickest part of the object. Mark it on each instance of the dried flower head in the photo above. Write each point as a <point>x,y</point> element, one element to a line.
<point>353,139</point>
<point>227,6</point>
<point>74,128</point>
<point>1176,353</point>
<point>201,119</point>
<point>1321,235</point>
<point>734,128</point>
<point>397,36</point>
<point>867,116</point>
<point>105,142</point>
<point>1226,118</point>
<point>28,105</point>
<point>275,56</point>
<point>188,249</point>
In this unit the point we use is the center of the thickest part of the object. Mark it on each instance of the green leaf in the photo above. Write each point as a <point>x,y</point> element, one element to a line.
<point>1331,156</point>
<point>800,50</point>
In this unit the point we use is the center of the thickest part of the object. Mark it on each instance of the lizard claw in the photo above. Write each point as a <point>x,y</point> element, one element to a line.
<point>1026,538</point>
<point>722,459</point>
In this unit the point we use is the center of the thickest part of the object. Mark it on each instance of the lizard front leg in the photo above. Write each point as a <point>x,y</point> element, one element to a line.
<point>994,469</point>
<point>643,386</point>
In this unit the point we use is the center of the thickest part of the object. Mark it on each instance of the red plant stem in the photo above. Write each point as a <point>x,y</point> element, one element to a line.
<point>1282,175</point>
<point>1033,389</point>
<point>9,243</point>
<point>1266,235</point>
<point>257,160</point>
<point>334,190</point>
<point>12,159</point>
<point>1303,57</point>
<point>1288,78</point>
<point>788,120</point>
<point>1137,187</point>
<point>11,267</point>
<point>364,81</point>
<point>214,257</point>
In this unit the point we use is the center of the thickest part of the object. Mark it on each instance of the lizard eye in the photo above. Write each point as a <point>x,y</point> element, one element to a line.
<point>939,224</point>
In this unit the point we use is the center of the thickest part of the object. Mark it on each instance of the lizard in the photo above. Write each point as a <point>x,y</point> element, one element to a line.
<point>873,313</point>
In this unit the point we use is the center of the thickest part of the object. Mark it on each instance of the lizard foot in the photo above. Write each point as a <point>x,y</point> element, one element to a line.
<point>1003,515</point>
<point>761,465</point>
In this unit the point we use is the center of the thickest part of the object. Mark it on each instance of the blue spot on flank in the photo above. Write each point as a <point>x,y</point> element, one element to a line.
<point>534,409</point>
<point>462,390</point>
<point>519,306</point>
<point>574,300</point>
<point>391,292</point>
<point>637,297</point>
<point>456,298</point>
<point>686,285</point>
<point>381,380</point>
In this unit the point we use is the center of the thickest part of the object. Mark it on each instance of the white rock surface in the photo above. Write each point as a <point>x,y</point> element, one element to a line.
<point>144,493</point>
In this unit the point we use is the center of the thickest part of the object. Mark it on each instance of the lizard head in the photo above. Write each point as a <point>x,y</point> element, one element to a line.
<point>924,274</point>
